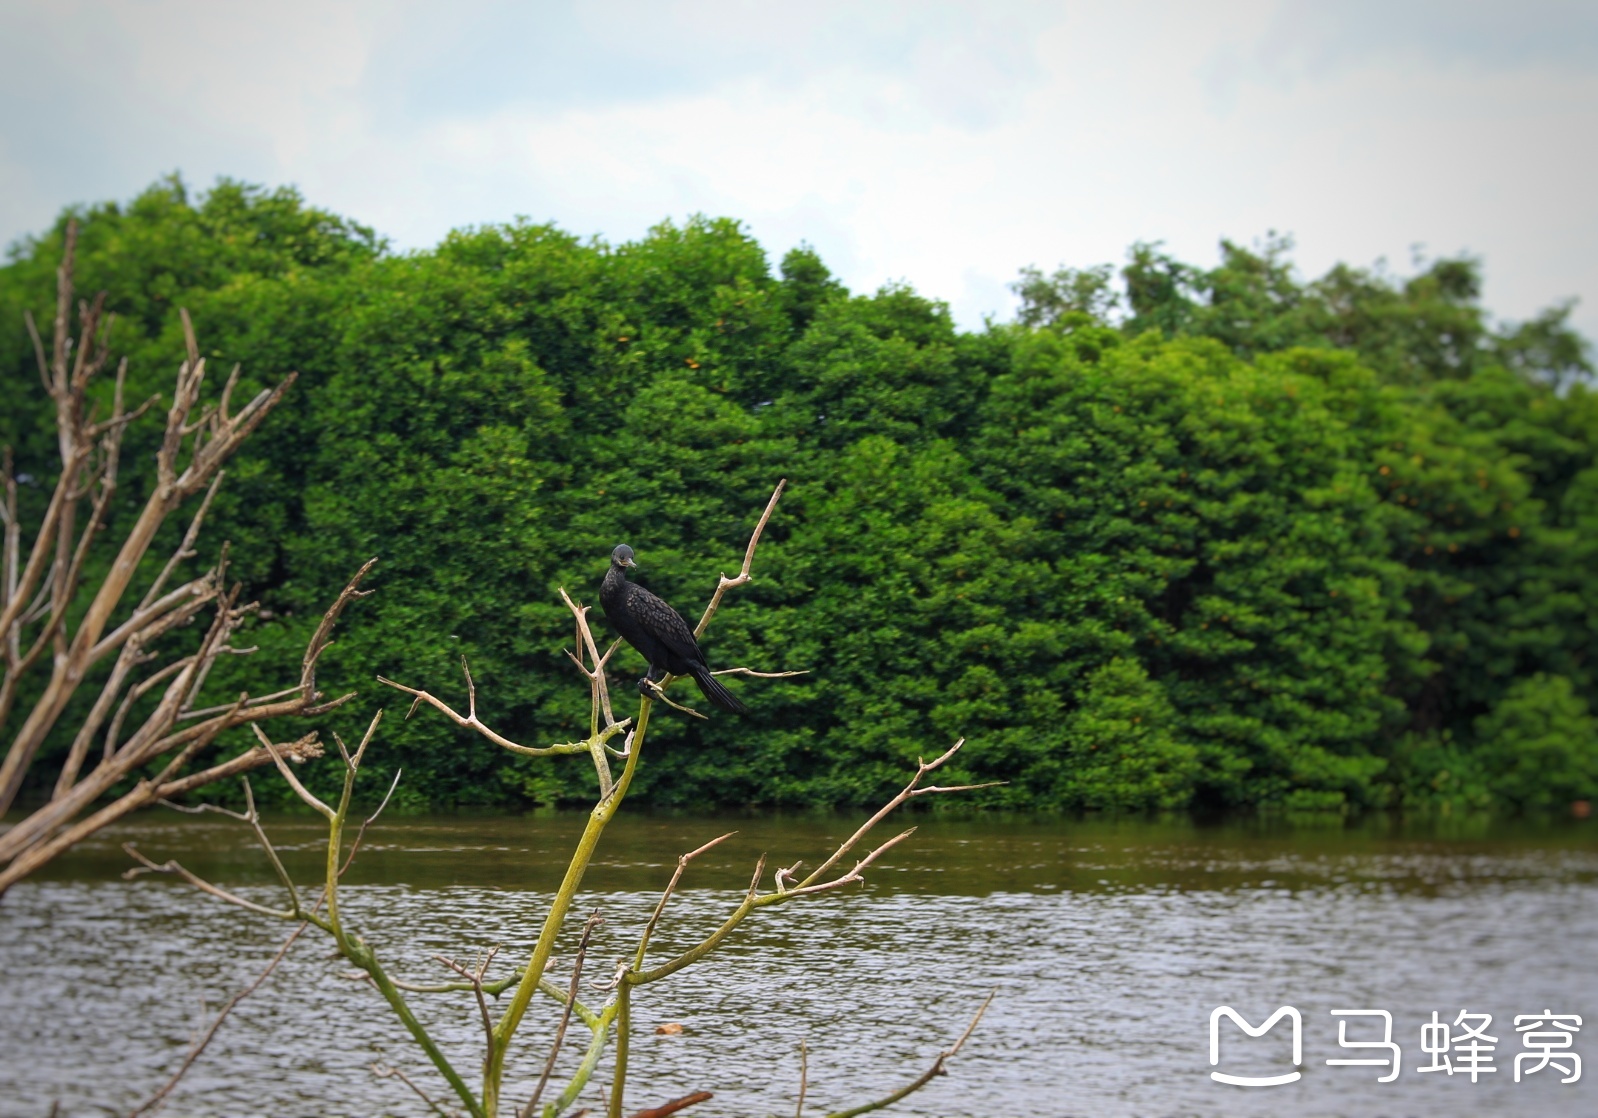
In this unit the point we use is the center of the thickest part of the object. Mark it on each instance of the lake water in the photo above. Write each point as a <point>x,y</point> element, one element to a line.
<point>1109,946</point>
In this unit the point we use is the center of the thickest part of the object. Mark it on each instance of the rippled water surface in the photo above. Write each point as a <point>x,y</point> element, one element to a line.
<point>1108,945</point>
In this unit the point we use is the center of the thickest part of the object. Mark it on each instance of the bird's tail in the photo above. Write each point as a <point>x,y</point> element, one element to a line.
<point>711,688</point>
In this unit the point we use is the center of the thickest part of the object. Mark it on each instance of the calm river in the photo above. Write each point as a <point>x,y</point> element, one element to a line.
<point>1109,946</point>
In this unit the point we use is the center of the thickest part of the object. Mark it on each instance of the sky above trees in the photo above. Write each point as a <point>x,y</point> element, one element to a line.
<point>944,144</point>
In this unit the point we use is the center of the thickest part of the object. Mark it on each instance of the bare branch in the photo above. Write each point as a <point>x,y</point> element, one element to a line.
<point>682,864</point>
<point>306,748</point>
<point>760,675</point>
<point>275,695</point>
<point>852,876</point>
<point>383,1071</point>
<point>922,769</point>
<point>814,883</point>
<point>39,556</point>
<point>300,790</point>
<point>471,723</point>
<point>324,637</point>
<point>132,654</point>
<point>38,846</point>
<point>253,818</point>
<point>665,1110</point>
<point>596,678</point>
<point>661,696</point>
<point>474,979</point>
<point>185,549</point>
<point>172,867</point>
<point>598,691</point>
<point>742,577</point>
<point>123,419</point>
<point>369,820</point>
<point>366,739</point>
<point>60,545</point>
<point>38,350</point>
<point>137,692</point>
<point>199,1047</point>
<point>471,690</point>
<point>204,588</point>
<point>804,1079</point>
<point>931,1073</point>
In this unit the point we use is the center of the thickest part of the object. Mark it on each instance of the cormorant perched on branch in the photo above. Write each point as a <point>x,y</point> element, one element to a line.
<point>658,632</point>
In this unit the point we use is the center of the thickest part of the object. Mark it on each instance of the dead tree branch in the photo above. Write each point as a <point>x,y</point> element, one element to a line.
<point>470,721</point>
<point>931,1073</point>
<point>48,605</point>
<point>155,1101</point>
<point>51,829</point>
<point>602,722</point>
<point>725,584</point>
<point>665,1110</point>
<point>816,882</point>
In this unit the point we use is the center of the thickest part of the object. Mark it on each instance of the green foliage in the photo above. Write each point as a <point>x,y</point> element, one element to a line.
<point>1121,751</point>
<point>1539,744</point>
<point>1209,536</point>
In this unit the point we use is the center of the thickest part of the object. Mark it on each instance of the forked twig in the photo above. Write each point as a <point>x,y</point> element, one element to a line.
<point>204,886</point>
<point>910,791</point>
<point>931,1073</point>
<point>816,882</point>
<point>470,720</point>
<point>474,978</point>
<point>682,864</point>
<point>725,583</point>
<point>596,678</point>
<point>369,820</point>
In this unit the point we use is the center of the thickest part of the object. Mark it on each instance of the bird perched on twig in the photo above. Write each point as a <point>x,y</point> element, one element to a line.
<point>659,632</point>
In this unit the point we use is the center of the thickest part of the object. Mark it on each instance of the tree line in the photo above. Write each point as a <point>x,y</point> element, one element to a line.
<point>1176,537</point>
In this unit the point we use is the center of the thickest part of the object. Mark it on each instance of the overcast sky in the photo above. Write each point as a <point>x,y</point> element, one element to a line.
<point>947,144</point>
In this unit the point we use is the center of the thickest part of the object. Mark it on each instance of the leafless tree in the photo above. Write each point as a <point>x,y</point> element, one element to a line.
<point>607,1024</point>
<point>69,633</point>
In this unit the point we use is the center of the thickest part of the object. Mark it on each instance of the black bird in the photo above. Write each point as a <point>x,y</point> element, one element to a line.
<point>658,632</point>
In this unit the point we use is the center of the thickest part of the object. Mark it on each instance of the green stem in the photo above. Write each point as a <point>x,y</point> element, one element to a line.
<point>396,1000</point>
<point>623,1033</point>
<point>494,1067</point>
<point>363,956</point>
<point>704,947</point>
<point>579,1080</point>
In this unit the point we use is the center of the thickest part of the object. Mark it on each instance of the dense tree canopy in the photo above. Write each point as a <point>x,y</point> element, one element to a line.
<point>1176,537</point>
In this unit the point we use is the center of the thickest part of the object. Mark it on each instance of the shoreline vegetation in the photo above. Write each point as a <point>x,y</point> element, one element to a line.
<point>1178,538</point>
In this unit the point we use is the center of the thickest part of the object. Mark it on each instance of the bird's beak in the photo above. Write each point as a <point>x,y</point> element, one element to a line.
<point>628,563</point>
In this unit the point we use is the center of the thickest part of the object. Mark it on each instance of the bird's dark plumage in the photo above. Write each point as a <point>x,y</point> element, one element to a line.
<point>657,631</point>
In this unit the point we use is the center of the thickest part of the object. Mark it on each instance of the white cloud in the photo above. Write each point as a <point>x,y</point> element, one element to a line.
<point>947,145</point>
